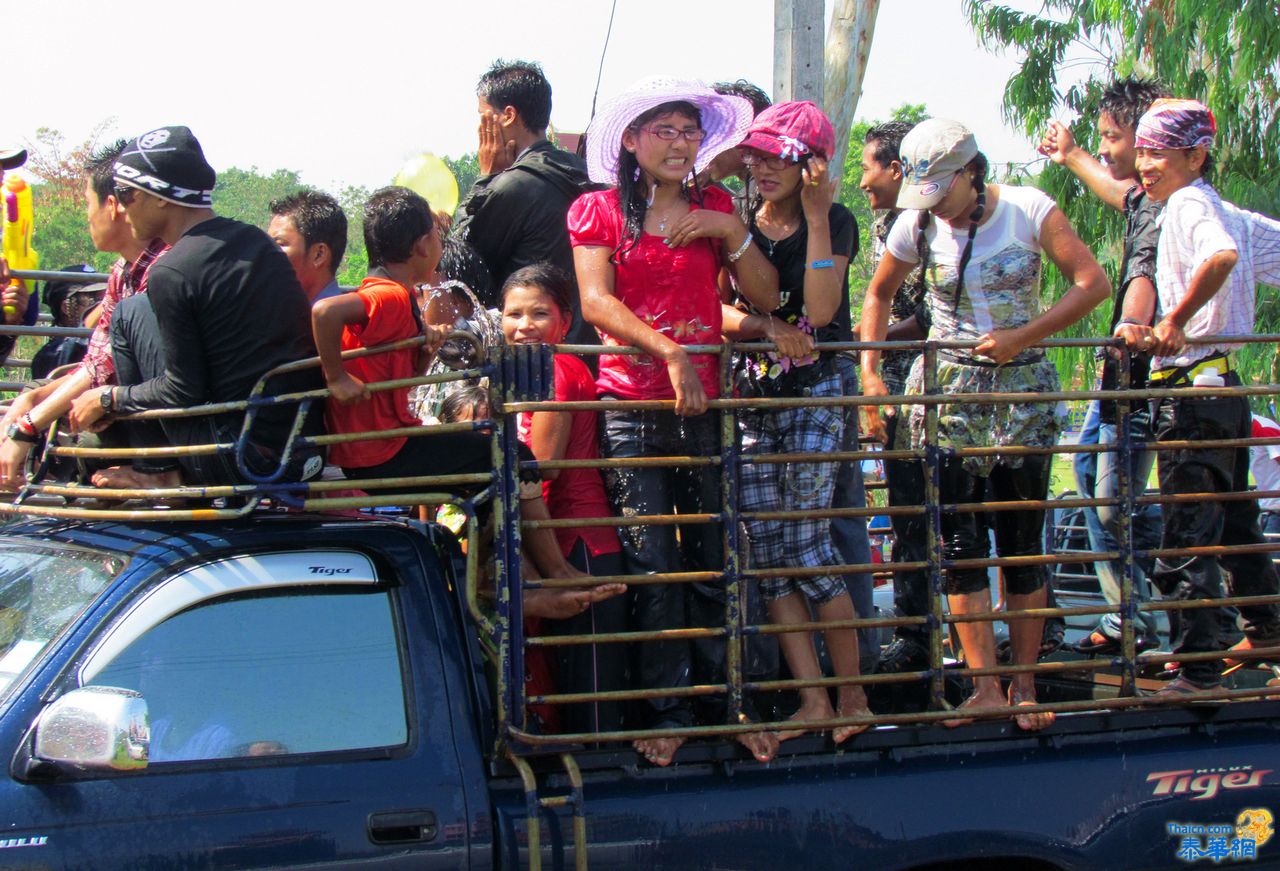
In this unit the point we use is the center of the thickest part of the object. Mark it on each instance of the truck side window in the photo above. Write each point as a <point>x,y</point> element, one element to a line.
<point>294,671</point>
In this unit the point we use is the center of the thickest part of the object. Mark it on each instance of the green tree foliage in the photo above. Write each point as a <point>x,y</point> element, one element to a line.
<point>1225,54</point>
<point>61,233</point>
<point>355,264</point>
<point>466,169</point>
<point>246,194</point>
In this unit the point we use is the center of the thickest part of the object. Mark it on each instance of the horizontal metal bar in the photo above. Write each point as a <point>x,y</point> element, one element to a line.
<point>940,399</point>
<point>424,429</point>
<point>633,580</point>
<point>621,522</point>
<point>54,275</point>
<point>910,719</point>
<point>146,514</point>
<point>622,463</point>
<point>342,503</point>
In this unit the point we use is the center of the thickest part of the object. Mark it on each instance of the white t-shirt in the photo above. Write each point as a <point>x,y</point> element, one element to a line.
<point>1264,460</point>
<point>1195,225</point>
<point>1002,279</point>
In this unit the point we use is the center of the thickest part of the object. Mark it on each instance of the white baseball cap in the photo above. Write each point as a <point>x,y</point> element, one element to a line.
<point>931,153</point>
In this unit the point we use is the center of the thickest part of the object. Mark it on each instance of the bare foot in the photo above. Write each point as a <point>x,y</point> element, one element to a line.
<point>1022,695</point>
<point>984,697</point>
<point>560,603</point>
<point>812,710</point>
<point>853,703</point>
<point>659,751</point>
<point>763,745</point>
<point>127,478</point>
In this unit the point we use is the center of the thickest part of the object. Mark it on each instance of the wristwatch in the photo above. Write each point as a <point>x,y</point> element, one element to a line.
<point>108,400</point>
<point>17,434</point>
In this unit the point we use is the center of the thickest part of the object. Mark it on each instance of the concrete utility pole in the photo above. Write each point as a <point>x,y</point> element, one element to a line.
<point>797,50</point>
<point>831,77</point>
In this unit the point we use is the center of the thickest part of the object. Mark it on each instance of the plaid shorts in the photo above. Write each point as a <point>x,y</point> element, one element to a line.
<point>793,487</point>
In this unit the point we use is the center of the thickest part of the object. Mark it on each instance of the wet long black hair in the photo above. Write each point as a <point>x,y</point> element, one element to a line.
<point>633,194</point>
<point>980,166</point>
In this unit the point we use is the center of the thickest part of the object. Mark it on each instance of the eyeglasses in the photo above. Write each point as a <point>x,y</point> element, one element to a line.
<point>755,158</point>
<point>671,134</point>
<point>125,194</point>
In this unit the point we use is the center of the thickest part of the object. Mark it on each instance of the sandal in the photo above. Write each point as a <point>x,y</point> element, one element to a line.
<point>1098,644</point>
<point>1054,635</point>
<point>1181,688</point>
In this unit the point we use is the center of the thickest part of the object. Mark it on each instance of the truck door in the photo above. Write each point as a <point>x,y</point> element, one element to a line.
<point>284,728</point>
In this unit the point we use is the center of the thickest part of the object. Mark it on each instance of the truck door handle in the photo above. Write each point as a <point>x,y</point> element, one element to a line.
<point>399,827</point>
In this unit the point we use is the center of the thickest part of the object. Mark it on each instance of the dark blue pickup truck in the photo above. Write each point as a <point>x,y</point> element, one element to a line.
<point>295,691</point>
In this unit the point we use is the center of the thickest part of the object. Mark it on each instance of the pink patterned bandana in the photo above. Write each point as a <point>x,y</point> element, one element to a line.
<point>1173,124</point>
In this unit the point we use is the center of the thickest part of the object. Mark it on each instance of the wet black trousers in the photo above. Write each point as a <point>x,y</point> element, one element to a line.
<point>667,548</point>
<point>1017,532</point>
<point>904,481</point>
<point>1198,524</point>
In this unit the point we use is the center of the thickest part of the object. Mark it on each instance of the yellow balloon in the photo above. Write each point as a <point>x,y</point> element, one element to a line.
<point>431,177</point>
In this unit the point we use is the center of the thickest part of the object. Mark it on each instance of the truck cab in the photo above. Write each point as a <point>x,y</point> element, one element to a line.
<point>293,694</point>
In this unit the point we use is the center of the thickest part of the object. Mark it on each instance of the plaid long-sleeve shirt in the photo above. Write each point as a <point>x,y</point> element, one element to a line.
<point>125,280</point>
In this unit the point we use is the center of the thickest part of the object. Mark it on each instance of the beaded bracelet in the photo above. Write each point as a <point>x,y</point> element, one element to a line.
<point>742,249</point>
<point>822,264</point>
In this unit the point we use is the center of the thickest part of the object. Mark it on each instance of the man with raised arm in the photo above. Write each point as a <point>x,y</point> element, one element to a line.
<point>1115,181</point>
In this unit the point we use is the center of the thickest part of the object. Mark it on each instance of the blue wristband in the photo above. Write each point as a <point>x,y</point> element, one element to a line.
<point>822,264</point>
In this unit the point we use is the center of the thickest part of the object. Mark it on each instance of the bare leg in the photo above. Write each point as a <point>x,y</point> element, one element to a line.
<point>842,645</point>
<point>1024,637</point>
<point>979,642</point>
<point>802,659</point>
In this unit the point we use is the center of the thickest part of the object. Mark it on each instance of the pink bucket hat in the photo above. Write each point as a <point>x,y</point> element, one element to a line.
<point>725,119</point>
<point>794,130</point>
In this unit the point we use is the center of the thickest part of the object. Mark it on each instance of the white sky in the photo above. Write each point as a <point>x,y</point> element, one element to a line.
<point>346,92</point>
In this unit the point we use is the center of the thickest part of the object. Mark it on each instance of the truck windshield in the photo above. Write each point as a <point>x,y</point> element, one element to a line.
<point>42,591</point>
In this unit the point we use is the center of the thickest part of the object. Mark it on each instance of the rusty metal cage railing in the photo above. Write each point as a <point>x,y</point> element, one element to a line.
<point>521,380</point>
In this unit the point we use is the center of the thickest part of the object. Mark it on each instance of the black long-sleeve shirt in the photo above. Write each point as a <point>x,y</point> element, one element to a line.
<point>229,309</point>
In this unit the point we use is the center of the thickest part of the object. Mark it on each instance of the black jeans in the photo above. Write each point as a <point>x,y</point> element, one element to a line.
<point>453,453</point>
<point>592,668</point>
<point>1018,533</point>
<point>1199,524</point>
<point>139,356</point>
<point>904,481</point>
<point>654,549</point>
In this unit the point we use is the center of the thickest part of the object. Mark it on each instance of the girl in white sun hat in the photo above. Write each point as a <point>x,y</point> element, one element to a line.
<point>649,252</point>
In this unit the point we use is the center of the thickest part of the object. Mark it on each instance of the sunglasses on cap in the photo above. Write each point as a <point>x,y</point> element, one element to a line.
<point>772,161</point>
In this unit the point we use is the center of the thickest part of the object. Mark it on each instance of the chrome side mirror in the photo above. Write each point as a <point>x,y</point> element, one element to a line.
<point>94,729</point>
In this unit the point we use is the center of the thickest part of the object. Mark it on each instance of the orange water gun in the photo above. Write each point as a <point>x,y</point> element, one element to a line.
<point>19,218</point>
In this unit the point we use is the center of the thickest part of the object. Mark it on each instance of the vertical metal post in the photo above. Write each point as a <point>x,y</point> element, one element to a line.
<point>729,492</point>
<point>507,580</point>
<point>933,528</point>
<point>579,811</point>
<point>533,809</point>
<point>1123,459</point>
<point>798,38</point>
